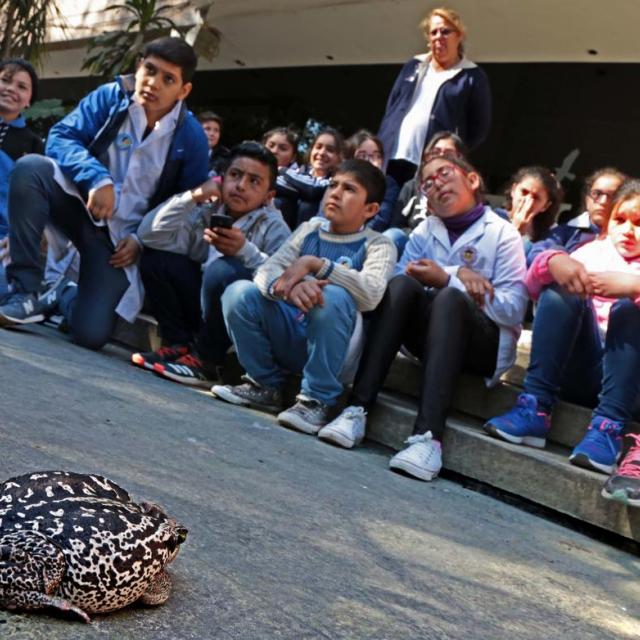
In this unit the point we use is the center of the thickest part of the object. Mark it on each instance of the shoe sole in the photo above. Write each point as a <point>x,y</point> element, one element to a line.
<point>412,470</point>
<point>620,496</point>
<point>143,364</point>
<point>294,421</point>
<point>8,321</point>
<point>529,441</point>
<point>191,382</point>
<point>581,460</point>
<point>331,435</point>
<point>222,393</point>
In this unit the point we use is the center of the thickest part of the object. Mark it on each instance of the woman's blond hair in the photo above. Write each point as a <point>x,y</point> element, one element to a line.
<point>450,16</point>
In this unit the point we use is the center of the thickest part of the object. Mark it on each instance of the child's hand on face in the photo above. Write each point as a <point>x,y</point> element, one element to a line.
<point>207,191</point>
<point>226,241</point>
<point>294,274</point>
<point>101,202</point>
<point>307,294</point>
<point>570,275</point>
<point>428,272</point>
<point>524,212</point>
<point>125,253</point>
<point>476,285</point>
<point>614,284</point>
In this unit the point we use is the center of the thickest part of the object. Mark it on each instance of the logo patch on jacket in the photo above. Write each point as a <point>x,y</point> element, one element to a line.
<point>124,141</point>
<point>469,254</point>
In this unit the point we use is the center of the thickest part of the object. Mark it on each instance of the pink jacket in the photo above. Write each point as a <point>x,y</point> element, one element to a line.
<point>596,256</point>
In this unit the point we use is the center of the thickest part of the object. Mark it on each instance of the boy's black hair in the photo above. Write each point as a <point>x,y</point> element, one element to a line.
<point>256,151</point>
<point>13,65</point>
<point>208,116</point>
<point>174,50</point>
<point>367,176</point>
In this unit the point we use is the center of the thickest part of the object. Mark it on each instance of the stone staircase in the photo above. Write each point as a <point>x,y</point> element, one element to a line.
<point>543,477</point>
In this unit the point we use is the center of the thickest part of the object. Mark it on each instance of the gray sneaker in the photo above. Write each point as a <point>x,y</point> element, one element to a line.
<point>21,308</point>
<point>249,394</point>
<point>307,415</point>
<point>348,429</point>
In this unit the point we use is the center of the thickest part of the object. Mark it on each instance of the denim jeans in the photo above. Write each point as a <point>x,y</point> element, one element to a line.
<point>399,238</point>
<point>273,337</point>
<point>569,359</point>
<point>36,199</point>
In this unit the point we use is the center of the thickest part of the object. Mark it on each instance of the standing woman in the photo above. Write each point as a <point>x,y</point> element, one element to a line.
<point>437,91</point>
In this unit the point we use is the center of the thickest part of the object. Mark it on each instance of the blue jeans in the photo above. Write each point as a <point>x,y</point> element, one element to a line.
<point>273,337</point>
<point>213,342</point>
<point>569,359</point>
<point>35,199</point>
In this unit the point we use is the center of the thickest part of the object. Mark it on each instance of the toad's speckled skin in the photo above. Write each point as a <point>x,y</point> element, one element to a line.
<point>78,543</point>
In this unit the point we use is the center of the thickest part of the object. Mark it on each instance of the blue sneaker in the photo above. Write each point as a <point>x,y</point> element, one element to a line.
<point>524,424</point>
<point>600,448</point>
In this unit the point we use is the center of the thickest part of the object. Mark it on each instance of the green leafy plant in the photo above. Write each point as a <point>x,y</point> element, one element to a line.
<point>23,27</point>
<point>115,52</point>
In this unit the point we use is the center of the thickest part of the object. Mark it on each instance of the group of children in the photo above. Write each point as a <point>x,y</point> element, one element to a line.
<point>326,268</point>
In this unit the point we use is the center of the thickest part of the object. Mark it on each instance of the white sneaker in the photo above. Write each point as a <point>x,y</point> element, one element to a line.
<point>421,459</point>
<point>348,429</point>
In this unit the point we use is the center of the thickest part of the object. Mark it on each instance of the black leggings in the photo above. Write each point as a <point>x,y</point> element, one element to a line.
<point>444,328</point>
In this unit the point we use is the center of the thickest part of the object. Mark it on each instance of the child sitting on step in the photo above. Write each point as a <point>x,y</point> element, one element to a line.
<point>456,304</point>
<point>586,347</point>
<point>302,312</point>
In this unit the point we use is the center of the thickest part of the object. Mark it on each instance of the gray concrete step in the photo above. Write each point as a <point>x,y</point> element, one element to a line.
<point>568,422</point>
<point>543,476</point>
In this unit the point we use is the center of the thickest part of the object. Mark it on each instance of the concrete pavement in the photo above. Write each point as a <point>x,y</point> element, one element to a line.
<point>289,537</point>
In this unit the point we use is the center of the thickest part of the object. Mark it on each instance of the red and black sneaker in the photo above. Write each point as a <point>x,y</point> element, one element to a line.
<point>624,484</point>
<point>189,369</point>
<point>148,359</point>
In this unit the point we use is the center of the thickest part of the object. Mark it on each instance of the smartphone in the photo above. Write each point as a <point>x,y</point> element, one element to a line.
<point>220,220</point>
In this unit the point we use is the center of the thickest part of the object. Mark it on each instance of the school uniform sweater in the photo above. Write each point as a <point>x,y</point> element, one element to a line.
<point>361,262</point>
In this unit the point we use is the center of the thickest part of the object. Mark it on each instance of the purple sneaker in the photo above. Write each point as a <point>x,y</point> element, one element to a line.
<point>524,424</point>
<point>600,448</point>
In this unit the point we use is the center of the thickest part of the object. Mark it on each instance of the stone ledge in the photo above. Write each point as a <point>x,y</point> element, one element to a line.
<point>543,476</point>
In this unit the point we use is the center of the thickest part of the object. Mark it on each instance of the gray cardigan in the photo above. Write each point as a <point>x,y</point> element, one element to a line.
<point>178,225</point>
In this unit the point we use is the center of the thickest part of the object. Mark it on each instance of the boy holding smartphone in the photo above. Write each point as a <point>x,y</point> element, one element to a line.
<point>194,249</point>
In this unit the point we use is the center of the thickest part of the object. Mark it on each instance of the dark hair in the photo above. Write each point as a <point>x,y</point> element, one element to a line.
<point>256,151</point>
<point>352,144</point>
<point>329,131</point>
<point>458,143</point>
<point>366,175</point>
<point>591,179</point>
<point>208,116</point>
<point>13,65</point>
<point>545,219</point>
<point>174,50</point>
<point>290,134</point>
<point>627,190</point>
<point>460,162</point>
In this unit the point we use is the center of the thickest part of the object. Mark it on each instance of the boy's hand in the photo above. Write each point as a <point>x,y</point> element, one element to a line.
<point>209,190</point>
<point>570,275</point>
<point>126,252</point>
<point>294,274</point>
<point>226,241</point>
<point>476,285</point>
<point>614,284</point>
<point>307,294</point>
<point>428,272</point>
<point>101,202</point>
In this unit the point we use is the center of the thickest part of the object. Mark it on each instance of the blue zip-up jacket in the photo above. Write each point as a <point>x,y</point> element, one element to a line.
<point>462,105</point>
<point>79,142</point>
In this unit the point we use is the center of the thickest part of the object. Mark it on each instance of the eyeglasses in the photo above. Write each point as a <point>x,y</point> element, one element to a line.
<point>444,174</point>
<point>596,195</point>
<point>443,31</point>
<point>364,155</point>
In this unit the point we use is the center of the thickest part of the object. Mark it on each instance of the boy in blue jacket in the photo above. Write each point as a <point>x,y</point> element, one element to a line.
<point>127,147</point>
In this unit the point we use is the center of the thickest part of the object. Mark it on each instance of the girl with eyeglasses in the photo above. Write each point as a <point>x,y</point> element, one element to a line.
<point>598,193</point>
<point>586,348</point>
<point>456,304</point>
<point>437,91</point>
